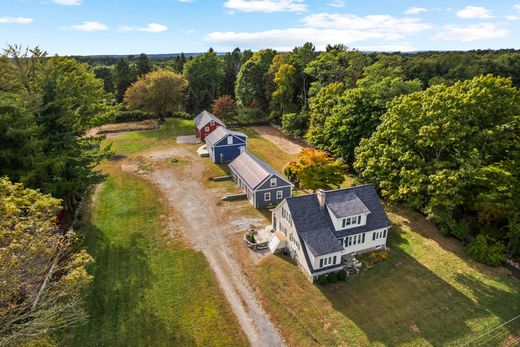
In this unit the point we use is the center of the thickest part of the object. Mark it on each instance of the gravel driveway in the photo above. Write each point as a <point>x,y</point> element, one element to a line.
<point>209,226</point>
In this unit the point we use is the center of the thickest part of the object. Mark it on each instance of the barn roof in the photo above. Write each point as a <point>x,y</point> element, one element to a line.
<point>221,132</point>
<point>252,170</point>
<point>314,224</point>
<point>204,118</point>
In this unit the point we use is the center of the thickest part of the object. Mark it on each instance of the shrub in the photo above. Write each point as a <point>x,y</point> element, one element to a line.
<point>224,107</point>
<point>332,277</point>
<point>377,256</point>
<point>484,250</point>
<point>322,279</point>
<point>342,275</point>
<point>460,230</point>
<point>132,116</point>
<point>294,124</point>
<point>182,114</point>
<point>250,115</point>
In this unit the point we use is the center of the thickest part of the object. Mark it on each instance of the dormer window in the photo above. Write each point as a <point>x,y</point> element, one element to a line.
<point>273,182</point>
<point>345,222</point>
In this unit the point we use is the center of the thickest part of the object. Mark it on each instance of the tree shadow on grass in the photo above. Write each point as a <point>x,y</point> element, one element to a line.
<point>400,301</point>
<point>116,300</point>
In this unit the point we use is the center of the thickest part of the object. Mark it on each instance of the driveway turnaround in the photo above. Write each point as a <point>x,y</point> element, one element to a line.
<point>209,225</point>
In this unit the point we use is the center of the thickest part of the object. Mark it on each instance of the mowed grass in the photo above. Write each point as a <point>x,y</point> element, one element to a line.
<point>149,288</point>
<point>266,150</point>
<point>136,141</point>
<point>425,294</point>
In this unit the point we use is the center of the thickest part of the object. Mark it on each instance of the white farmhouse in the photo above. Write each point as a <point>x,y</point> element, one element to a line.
<point>323,227</point>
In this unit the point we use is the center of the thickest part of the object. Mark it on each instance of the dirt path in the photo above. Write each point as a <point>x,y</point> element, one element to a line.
<point>210,227</point>
<point>282,141</point>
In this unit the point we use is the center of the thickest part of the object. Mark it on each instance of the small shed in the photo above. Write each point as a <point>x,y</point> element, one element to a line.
<point>205,123</point>
<point>262,184</point>
<point>225,145</point>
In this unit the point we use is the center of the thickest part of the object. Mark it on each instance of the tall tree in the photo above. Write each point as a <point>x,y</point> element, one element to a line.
<point>444,150</point>
<point>107,75</point>
<point>143,65</point>
<point>250,88</point>
<point>204,75</point>
<point>224,107</point>
<point>159,92</point>
<point>43,273</point>
<point>232,64</point>
<point>123,78</point>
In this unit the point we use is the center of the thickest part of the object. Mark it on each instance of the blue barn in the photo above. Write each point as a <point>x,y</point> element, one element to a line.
<point>261,183</point>
<point>225,145</point>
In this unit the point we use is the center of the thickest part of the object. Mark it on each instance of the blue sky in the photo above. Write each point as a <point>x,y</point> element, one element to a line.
<point>168,26</point>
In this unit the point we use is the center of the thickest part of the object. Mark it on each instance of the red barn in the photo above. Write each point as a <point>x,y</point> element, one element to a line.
<point>205,123</point>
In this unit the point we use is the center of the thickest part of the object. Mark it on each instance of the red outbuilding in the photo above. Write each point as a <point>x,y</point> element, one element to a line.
<point>205,123</point>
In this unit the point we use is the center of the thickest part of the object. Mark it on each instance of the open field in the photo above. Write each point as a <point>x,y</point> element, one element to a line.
<point>150,288</point>
<point>428,293</point>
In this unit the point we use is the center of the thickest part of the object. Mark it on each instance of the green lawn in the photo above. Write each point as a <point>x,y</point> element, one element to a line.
<point>135,141</point>
<point>425,294</point>
<point>149,289</point>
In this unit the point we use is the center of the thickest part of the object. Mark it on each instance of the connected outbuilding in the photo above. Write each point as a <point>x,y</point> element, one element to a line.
<point>225,145</point>
<point>261,183</point>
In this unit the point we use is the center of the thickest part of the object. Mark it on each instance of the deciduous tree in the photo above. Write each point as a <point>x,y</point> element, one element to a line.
<point>159,92</point>
<point>316,169</point>
<point>42,272</point>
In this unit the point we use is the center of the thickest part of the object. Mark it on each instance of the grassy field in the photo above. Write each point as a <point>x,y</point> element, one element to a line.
<point>133,142</point>
<point>426,294</point>
<point>149,289</point>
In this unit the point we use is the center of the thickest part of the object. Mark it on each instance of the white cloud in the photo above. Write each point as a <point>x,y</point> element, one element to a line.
<point>268,6</point>
<point>89,26</point>
<point>186,1</point>
<point>68,2</point>
<point>470,12</point>
<point>325,28</point>
<point>517,7</point>
<point>15,20</point>
<point>483,31</point>
<point>383,24</point>
<point>337,3</point>
<point>150,28</point>
<point>512,17</point>
<point>415,10</point>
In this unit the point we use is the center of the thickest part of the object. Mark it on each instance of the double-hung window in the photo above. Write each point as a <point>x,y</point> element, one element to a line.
<point>279,194</point>
<point>267,196</point>
<point>273,182</point>
<point>230,140</point>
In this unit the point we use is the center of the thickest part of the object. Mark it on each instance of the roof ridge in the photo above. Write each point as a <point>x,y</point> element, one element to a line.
<point>332,191</point>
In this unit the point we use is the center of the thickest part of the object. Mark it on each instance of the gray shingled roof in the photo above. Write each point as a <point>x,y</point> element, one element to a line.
<point>346,205</point>
<point>252,170</point>
<point>309,218</point>
<point>204,118</point>
<point>219,133</point>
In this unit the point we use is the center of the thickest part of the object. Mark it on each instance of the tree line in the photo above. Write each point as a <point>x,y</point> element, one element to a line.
<point>436,131</point>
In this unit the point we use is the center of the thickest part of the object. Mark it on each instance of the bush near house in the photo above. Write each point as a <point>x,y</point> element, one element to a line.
<point>124,116</point>
<point>485,250</point>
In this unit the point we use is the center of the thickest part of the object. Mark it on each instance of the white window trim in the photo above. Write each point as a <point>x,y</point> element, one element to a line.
<point>279,194</point>
<point>206,129</point>
<point>268,194</point>
<point>272,182</point>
